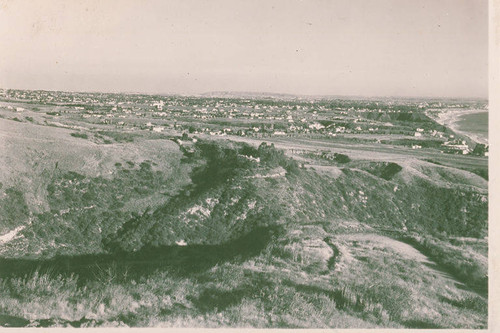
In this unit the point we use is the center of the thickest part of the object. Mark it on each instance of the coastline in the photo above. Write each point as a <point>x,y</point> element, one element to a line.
<point>450,119</point>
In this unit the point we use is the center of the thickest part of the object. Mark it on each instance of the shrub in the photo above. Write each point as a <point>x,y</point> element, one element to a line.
<point>13,209</point>
<point>119,136</point>
<point>341,158</point>
<point>79,135</point>
<point>273,157</point>
<point>390,170</point>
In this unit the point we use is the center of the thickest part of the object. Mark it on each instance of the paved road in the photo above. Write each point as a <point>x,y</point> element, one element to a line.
<point>364,150</point>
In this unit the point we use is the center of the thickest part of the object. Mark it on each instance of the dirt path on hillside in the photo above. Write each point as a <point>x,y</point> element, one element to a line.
<point>11,234</point>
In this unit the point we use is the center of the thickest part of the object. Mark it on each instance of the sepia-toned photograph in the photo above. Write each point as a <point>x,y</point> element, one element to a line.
<point>244,164</point>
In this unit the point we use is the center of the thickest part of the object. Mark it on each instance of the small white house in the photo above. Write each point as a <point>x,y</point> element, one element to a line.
<point>316,126</point>
<point>158,129</point>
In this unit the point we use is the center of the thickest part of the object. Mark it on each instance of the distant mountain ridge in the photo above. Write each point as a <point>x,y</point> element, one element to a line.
<point>250,94</point>
<point>287,96</point>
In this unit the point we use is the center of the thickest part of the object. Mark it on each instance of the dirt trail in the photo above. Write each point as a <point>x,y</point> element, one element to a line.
<point>11,234</point>
<point>327,169</point>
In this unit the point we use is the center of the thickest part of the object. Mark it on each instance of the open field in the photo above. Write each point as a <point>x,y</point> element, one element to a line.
<point>169,211</point>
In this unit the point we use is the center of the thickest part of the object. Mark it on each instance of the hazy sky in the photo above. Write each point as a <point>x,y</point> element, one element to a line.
<point>351,47</point>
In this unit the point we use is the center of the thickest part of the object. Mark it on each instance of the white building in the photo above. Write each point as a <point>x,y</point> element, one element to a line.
<point>159,105</point>
<point>158,129</point>
<point>316,126</point>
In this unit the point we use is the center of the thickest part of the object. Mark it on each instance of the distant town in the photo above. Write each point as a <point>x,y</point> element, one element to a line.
<point>402,122</point>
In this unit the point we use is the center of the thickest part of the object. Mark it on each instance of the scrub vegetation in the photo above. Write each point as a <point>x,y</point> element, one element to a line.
<point>266,245</point>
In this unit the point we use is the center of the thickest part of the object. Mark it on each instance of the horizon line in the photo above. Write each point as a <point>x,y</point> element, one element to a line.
<point>200,94</point>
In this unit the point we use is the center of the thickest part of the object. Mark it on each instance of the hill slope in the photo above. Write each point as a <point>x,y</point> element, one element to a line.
<point>226,234</point>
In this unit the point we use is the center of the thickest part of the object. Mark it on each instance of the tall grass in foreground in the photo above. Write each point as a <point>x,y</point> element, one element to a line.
<point>381,291</point>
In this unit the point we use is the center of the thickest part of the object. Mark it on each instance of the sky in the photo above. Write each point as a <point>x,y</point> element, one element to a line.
<point>435,48</point>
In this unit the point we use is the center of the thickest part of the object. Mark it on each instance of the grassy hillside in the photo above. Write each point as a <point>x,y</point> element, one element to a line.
<point>225,234</point>
<point>35,157</point>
